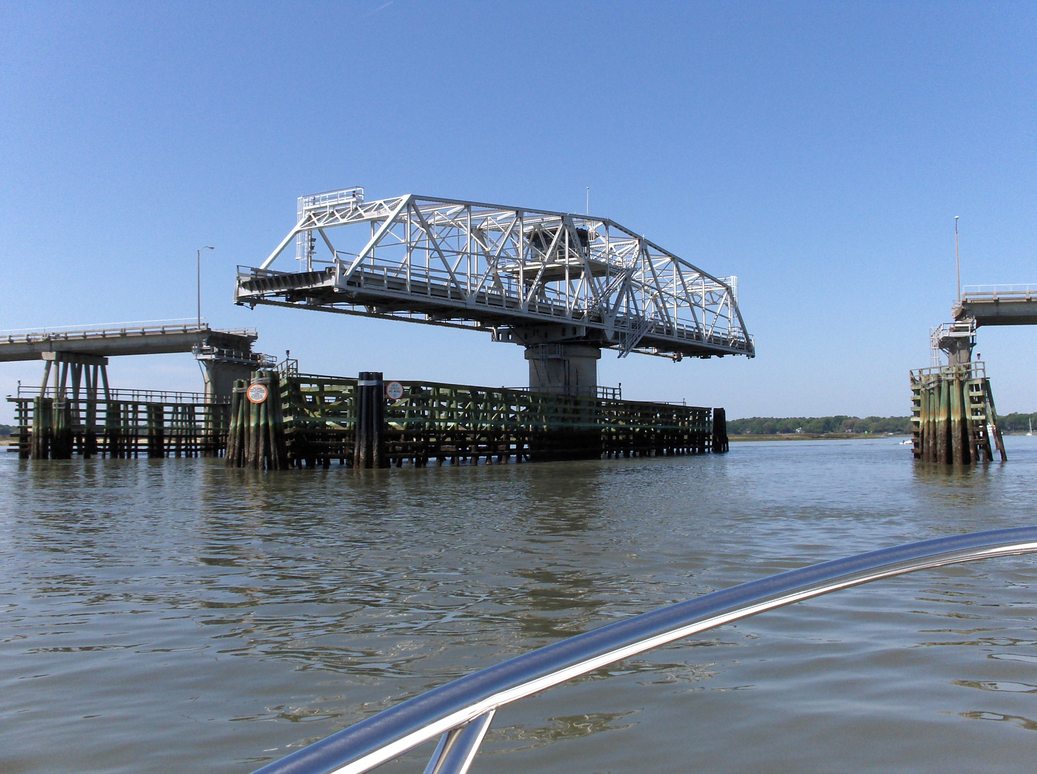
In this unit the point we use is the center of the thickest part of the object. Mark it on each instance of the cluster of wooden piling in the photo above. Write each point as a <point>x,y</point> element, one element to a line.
<point>954,419</point>
<point>255,438</point>
<point>53,437</point>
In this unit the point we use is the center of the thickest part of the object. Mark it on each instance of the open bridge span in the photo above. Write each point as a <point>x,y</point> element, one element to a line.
<point>998,304</point>
<point>562,285</point>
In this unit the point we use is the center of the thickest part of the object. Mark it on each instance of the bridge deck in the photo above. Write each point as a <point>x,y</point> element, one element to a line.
<point>999,305</point>
<point>382,292</point>
<point>129,339</point>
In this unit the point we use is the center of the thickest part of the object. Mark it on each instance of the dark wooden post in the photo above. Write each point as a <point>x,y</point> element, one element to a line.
<point>369,447</point>
<point>156,431</point>
<point>236,429</point>
<point>720,439</point>
<point>61,440</point>
<point>41,428</point>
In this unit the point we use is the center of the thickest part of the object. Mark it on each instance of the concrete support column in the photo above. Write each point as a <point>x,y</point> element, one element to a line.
<point>220,377</point>
<point>563,369</point>
<point>960,355</point>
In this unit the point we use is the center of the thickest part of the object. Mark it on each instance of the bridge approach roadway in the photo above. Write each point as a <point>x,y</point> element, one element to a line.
<point>998,304</point>
<point>226,355</point>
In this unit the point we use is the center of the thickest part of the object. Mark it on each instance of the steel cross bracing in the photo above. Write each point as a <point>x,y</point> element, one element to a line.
<point>527,276</point>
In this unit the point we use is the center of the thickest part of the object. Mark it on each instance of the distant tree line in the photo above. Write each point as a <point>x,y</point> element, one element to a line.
<point>1016,423</point>
<point>1010,423</point>
<point>818,425</point>
<point>841,424</point>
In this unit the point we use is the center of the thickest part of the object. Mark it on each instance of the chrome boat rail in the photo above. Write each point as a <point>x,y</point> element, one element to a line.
<point>460,712</point>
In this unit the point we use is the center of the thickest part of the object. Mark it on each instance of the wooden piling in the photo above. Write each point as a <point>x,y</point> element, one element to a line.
<point>234,456</point>
<point>957,447</point>
<point>720,440</point>
<point>361,454</point>
<point>62,438</point>
<point>156,431</point>
<point>369,448</point>
<point>999,442</point>
<point>41,428</point>
<point>113,428</point>
<point>24,434</point>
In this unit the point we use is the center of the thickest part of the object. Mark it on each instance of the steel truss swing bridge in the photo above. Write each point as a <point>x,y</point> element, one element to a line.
<point>562,285</point>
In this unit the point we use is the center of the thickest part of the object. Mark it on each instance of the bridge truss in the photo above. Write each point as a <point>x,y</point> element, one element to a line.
<point>532,277</point>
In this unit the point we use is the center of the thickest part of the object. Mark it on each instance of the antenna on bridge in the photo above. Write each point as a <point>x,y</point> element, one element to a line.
<point>587,210</point>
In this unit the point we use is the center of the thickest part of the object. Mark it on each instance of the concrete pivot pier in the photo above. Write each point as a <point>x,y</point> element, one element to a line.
<point>563,369</point>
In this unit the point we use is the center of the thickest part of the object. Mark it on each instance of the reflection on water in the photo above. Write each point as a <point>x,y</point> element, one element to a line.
<point>150,602</point>
<point>1021,722</point>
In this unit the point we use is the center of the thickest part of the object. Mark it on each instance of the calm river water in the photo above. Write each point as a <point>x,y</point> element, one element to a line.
<point>176,615</point>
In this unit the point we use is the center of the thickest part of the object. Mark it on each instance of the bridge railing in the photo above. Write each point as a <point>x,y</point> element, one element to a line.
<point>548,301</point>
<point>460,712</point>
<point>25,392</point>
<point>975,369</point>
<point>331,198</point>
<point>110,330</point>
<point>987,292</point>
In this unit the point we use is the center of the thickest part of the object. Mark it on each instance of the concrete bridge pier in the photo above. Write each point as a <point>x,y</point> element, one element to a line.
<point>219,377</point>
<point>219,372</point>
<point>568,370</point>
<point>563,369</point>
<point>956,340</point>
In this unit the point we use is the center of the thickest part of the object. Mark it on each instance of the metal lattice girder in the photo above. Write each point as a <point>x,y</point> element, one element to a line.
<point>524,275</point>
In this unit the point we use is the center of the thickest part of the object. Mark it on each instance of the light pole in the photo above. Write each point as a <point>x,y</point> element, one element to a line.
<point>198,276</point>
<point>957,259</point>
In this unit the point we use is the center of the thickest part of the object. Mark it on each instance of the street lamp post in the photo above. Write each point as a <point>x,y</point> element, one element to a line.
<point>198,275</point>
<point>957,259</point>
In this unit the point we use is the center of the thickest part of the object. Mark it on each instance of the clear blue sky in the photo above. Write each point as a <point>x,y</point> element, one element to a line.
<point>819,151</point>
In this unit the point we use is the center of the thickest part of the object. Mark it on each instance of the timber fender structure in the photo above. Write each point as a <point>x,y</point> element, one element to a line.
<point>953,415</point>
<point>285,419</point>
<point>353,421</point>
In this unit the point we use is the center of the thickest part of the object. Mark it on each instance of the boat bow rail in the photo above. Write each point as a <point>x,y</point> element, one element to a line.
<point>461,711</point>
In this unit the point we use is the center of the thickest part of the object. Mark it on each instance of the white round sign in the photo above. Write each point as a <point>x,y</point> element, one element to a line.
<point>257,393</point>
<point>393,390</point>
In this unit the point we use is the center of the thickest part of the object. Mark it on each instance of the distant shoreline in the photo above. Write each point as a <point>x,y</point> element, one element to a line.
<point>813,437</point>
